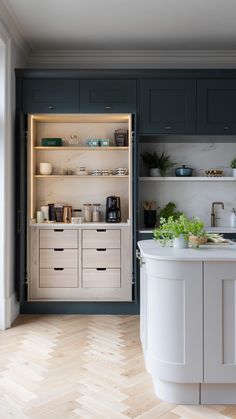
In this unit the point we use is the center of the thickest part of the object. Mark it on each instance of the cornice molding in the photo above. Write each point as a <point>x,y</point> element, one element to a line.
<point>7,18</point>
<point>133,59</point>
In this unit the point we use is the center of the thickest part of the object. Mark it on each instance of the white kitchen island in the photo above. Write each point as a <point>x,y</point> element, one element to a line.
<point>188,322</point>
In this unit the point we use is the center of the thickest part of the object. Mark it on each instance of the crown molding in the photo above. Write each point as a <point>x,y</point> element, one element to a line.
<point>9,21</point>
<point>132,59</point>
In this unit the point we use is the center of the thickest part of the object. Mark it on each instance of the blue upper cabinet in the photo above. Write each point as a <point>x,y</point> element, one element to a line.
<point>50,96</point>
<point>167,106</point>
<point>216,106</point>
<point>108,96</point>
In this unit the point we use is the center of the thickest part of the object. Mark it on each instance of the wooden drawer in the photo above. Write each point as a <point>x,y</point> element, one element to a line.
<point>58,238</point>
<point>101,238</point>
<point>101,278</point>
<point>101,258</point>
<point>53,278</point>
<point>58,258</point>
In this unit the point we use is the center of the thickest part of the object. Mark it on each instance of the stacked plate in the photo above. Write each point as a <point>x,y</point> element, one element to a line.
<point>121,171</point>
<point>96,172</point>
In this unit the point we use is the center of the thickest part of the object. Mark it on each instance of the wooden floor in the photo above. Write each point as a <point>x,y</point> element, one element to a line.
<point>91,367</point>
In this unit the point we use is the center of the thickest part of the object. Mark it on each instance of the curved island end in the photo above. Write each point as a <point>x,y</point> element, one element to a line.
<point>188,322</point>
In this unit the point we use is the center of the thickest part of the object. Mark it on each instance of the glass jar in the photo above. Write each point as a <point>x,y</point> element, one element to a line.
<point>87,213</point>
<point>96,213</point>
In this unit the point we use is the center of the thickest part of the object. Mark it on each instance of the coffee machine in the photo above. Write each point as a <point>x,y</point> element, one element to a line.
<point>113,214</point>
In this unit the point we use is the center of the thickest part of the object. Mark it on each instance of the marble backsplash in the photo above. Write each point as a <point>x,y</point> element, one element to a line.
<point>194,198</point>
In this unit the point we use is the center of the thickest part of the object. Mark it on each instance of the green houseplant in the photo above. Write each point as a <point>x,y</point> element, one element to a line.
<point>156,164</point>
<point>177,231</point>
<point>170,210</point>
<point>233,166</point>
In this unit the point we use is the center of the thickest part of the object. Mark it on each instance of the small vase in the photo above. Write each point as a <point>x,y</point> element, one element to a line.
<point>234,172</point>
<point>180,242</point>
<point>155,172</point>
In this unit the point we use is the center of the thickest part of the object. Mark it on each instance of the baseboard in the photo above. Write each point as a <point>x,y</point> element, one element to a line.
<point>9,311</point>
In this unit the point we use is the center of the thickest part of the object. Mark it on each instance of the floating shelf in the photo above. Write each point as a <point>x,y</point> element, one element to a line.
<point>79,176</point>
<point>188,179</point>
<point>72,148</point>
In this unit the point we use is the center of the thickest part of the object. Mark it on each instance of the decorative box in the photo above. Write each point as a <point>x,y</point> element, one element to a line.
<point>52,142</point>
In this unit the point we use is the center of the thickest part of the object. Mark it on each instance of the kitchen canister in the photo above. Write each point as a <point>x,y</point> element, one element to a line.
<point>45,211</point>
<point>45,168</point>
<point>40,217</point>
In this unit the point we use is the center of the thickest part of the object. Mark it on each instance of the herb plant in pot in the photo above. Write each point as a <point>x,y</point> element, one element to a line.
<point>233,166</point>
<point>156,164</point>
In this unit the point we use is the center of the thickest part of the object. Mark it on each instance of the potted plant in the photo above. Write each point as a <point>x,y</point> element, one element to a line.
<point>156,164</point>
<point>233,166</point>
<point>177,231</point>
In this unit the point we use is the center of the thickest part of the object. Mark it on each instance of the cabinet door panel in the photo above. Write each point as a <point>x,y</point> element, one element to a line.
<point>167,106</point>
<point>220,322</point>
<point>54,96</point>
<point>216,106</point>
<point>107,96</point>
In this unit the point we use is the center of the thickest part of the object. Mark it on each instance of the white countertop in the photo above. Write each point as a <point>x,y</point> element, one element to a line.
<point>78,225</point>
<point>211,252</point>
<point>208,229</point>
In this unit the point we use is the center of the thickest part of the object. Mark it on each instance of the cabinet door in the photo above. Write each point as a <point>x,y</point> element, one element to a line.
<point>220,322</point>
<point>107,96</point>
<point>216,106</point>
<point>167,106</point>
<point>53,96</point>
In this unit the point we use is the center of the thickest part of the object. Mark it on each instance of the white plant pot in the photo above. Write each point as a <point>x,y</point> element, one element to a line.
<point>234,172</point>
<point>154,172</point>
<point>180,242</point>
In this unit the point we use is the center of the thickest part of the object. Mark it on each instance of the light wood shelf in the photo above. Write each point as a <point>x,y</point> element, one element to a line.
<point>74,148</point>
<point>79,177</point>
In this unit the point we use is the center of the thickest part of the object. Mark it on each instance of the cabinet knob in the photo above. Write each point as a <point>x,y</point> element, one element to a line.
<point>226,127</point>
<point>51,108</point>
<point>168,127</point>
<point>108,108</point>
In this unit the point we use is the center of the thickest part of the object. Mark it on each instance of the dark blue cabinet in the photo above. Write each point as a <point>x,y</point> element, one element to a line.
<point>216,101</point>
<point>50,96</point>
<point>167,106</point>
<point>108,96</point>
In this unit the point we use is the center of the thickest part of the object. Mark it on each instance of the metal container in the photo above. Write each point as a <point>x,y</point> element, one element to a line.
<point>183,171</point>
<point>67,210</point>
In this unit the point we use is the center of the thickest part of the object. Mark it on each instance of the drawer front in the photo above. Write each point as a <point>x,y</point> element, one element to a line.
<point>101,258</point>
<point>58,238</point>
<point>105,278</point>
<point>58,258</point>
<point>53,278</point>
<point>93,239</point>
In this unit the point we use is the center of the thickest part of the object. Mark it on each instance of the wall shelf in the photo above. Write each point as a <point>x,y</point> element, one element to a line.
<point>73,148</point>
<point>188,179</point>
<point>79,176</point>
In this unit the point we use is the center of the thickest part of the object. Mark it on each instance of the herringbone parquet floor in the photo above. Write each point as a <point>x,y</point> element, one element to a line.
<point>90,367</point>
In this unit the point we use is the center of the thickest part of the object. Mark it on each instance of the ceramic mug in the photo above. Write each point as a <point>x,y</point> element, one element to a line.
<point>45,168</point>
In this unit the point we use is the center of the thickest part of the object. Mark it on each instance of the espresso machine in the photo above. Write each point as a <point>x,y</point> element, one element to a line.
<point>113,214</point>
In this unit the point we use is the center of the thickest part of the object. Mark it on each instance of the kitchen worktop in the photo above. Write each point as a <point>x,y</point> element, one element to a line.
<point>79,225</point>
<point>208,230</point>
<point>208,252</point>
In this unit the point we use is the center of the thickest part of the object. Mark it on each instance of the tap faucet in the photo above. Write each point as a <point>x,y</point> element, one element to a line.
<point>213,214</point>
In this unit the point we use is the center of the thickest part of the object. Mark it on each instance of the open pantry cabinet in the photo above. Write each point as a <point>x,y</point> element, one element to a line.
<point>89,261</point>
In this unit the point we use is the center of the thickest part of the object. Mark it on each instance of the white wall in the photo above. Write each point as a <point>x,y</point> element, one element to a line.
<point>194,198</point>
<point>14,58</point>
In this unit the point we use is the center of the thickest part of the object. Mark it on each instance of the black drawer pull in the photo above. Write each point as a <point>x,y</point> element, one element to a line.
<point>101,250</point>
<point>58,230</point>
<point>101,269</point>
<point>58,250</point>
<point>58,269</point>
<point>101,230</point>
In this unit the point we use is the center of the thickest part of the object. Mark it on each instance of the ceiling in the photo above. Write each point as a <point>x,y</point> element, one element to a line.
<point>124,24</point>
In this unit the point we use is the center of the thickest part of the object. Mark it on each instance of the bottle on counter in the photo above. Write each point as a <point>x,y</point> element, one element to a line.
<point>233,218</point>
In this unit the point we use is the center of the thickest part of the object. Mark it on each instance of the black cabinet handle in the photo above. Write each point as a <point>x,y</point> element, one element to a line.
<point>58,269</point>
<point>51,108</point>
<point>58,230</point>
<point>101,230</point>
<point>101,250</point>
<point>168,127</point>
<point>58,250</point>
<point>108,108</point>
<point>226,127</point>
<point>101,269</point>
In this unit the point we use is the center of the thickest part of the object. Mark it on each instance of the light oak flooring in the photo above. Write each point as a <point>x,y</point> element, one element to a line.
<point>90,367</point>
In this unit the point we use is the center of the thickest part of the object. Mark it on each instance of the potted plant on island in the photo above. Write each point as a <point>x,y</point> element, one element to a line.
<point>179,232</point>
<point>156,164</point>
<point>233,166</point>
